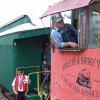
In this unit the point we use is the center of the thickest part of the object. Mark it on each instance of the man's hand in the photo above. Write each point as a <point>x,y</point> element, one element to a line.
<point>28,77</point>
<point>73,44</point>
<point>16,92</point>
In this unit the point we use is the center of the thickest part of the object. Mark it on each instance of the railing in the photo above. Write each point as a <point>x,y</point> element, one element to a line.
<point>40,92</point>
<point>26,67</point>
<point>38,87</point>
<point>46,96</point>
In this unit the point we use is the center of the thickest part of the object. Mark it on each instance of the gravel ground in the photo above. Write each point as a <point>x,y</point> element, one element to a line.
<point>2,97</point>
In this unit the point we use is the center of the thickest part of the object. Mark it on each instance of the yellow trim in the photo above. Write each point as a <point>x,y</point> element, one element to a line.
<point>27,88</point>
<point>16,71</point>
<point>46,84</point>
<point>44,92</point>
<point>39,93</point>
<point>25,67</point>
<point>46,96</point>
<point>38,72</point>
<point>38,81</point>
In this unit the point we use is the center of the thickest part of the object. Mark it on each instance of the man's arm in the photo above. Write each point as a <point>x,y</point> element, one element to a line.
<point>13,86</point>
<point>14,90</point>
<point>61,44</point>
<point>57,40</point>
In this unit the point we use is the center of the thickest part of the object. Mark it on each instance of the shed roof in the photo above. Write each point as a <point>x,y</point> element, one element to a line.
<point>20,28</point>
<point>15,22</point>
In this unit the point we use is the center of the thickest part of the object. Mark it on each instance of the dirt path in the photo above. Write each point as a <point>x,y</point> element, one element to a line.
<point>2,97</point>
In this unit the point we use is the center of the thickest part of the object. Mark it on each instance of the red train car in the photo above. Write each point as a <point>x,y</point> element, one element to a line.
<point>75,72</point>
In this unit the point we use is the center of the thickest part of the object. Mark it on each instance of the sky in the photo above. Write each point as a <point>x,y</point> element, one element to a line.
<point>11,9</point>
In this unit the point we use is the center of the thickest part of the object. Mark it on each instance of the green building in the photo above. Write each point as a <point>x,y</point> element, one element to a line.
<point>20,46</point>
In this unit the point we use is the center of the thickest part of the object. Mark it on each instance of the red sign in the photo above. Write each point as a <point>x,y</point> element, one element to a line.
<point>75,75</point>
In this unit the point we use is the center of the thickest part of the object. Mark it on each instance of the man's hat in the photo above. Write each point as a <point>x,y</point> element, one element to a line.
<point>57,17</point>
<point>20,70</point>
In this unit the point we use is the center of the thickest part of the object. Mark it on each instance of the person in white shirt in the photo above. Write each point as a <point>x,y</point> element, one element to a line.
<point>19,84</point>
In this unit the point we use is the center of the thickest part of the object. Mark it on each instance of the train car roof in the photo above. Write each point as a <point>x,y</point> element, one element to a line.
<point>67,5</point>
<point>21,28</point>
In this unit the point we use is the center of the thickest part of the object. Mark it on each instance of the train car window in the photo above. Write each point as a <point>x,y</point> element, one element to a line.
<point>71,17</point>
<point>67,17</point>
<point>94,26</point>
<point>82,28</point>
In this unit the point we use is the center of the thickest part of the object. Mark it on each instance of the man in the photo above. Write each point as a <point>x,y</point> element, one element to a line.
<point>46,53</point>
<point>20,85</point>
<point>44,74</point>
<point>63,35</point>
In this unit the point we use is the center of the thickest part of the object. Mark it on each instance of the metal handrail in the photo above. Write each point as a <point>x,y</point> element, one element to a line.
<point>25,67</point>
<point>39,92</point>
<point>48,97</point>
<point>43,84</point>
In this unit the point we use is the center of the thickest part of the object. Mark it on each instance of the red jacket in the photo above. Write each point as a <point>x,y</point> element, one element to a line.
<point>24,84</point>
